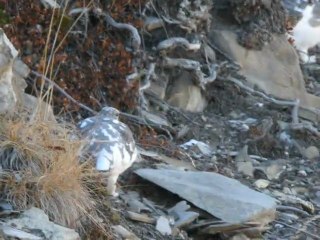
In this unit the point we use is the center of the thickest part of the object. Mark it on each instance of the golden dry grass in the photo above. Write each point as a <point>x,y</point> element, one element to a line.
<point>40,164</point>
<point>40,167</point>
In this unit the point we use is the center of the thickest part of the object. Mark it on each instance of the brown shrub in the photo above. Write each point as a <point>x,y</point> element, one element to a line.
<point>40,167</point>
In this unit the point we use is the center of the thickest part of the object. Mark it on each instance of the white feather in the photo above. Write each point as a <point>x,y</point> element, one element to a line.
<point>105,133</point>
<point>103,162</point>
<point>83,124</point>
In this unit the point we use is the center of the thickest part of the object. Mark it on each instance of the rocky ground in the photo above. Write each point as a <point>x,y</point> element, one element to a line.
<point>293,177</point>
<point>237,133</point>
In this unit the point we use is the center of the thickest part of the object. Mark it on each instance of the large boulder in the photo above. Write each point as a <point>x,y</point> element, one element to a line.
<point>8,53</point>
<point>12,84</point>
<point>275,69</point>
<point>186,95</point>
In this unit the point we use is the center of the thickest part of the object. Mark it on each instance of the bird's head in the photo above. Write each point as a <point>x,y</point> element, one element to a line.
<point>110,112</point>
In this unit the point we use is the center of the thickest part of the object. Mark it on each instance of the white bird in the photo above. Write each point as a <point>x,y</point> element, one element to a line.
<point>306,33</point>
<point>111,143</point>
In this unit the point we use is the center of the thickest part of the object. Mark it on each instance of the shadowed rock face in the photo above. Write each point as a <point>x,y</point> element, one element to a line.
<point>183,93</point>
<point>275,69</point>
<point>8,97</point>
<point>12,84</point>
<point>255,20</point>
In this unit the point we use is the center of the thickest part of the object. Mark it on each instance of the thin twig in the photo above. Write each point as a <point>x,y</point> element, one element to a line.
<point>195,67</point>
<point>297,229</point>
<point>163,104</point>
<point>158,14</point>
<point>135,37</point>
<point>174,42</point>
<point>305,125</point>
<point>221,52</point>
<point>85,11</point>
<point>294,209</point>
<point>308,222</point>
<point>143,101</point>
<point>49,81</point>
<point>294,104</point>
<point>136,119</point>
<point>295,112</point>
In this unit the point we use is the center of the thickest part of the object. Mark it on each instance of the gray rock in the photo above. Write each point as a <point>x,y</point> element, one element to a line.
<point>8,97</point>
<point>273,169</point>
<point>12,83</point>
<point>243,155</point>
<point>244,163</point>
<point>36,219</point>
<point>163,226</point>
<point>208,53</point>
<point>185,94</point>
<point>316,200</point>
<point>262,183</point>
<point>124,233</point>
<point>202,147</point>
<point>5,208</point>
<point>179,207</point>
<point>50,3</point>
<point>185,218</point>
<point>302,173</point>
<point>181,215</point>
<point>153,118</point>
<point>220,196</point>
<point>246,168</point>
<point>16,233</point>
<point>140,217</point>
<point>132,199</point>
<point>311,152</point>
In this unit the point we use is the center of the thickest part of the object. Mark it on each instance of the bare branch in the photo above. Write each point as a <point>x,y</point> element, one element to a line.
<point>135,37</point>
<point>50,82</point>
<point>298,230</point>
<point>195,66</point>
<point>181,63</point>
<point>295,125</point>
<point>152,23</point>
<point>83,11</point>
<point>270,99</point>
<point>134,118</point>
<point>305,125</point>
<point>174,42</point>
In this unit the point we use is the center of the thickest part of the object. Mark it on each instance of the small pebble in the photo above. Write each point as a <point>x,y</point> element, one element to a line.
<point>260,105</point>
<point>262,183</point>
<point>214,159</point>
<point>302,173</point>
<point>312,152</point>
<point>163,226</point>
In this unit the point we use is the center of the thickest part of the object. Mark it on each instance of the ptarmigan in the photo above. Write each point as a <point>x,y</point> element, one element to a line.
<point>306,33</point>
<point>111,143</point>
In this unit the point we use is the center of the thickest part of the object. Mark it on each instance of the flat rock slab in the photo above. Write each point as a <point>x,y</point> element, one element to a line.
<point>35,219</point>
<point>223,197</point>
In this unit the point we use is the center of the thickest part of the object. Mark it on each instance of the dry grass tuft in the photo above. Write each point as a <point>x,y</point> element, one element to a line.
<point>40,167</point>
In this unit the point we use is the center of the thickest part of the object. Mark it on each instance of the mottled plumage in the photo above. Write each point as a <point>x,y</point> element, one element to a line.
<point>111,143</point>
